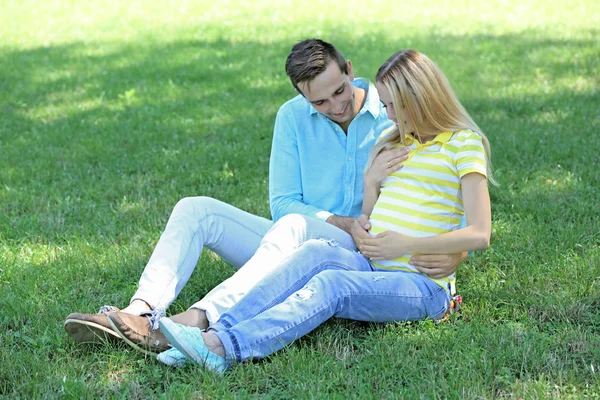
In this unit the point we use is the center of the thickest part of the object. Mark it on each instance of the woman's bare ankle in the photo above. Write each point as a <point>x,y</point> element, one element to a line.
<point>213,343</point>
<point>192,317</point>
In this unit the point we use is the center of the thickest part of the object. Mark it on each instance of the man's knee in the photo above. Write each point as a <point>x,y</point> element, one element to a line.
<point>300,228</point>
<point>201,205</point>
<point>289,230</point>
<point>292,222</point>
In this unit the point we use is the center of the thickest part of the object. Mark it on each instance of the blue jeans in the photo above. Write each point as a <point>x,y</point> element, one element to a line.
<point>318,281</point>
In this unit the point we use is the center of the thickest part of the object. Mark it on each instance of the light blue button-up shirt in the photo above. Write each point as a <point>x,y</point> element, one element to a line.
<point>315,168</point>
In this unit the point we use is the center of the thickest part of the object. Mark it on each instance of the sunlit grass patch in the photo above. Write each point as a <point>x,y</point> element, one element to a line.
<point>113,111</point>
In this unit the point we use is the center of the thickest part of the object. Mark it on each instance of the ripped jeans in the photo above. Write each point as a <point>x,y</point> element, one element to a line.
<point>318,281</point>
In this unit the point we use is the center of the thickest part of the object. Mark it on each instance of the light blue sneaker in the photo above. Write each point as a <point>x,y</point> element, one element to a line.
<point>172,357</point>
<point>188,341</point>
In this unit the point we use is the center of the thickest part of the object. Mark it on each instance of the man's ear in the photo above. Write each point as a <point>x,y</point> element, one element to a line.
<point>350,72</point>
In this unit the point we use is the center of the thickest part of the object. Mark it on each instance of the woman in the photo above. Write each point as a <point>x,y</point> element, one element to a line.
<point>416,209</point>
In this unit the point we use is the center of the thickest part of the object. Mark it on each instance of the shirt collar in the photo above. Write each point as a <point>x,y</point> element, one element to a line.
<point>372,103</point>
<point>440,138</point>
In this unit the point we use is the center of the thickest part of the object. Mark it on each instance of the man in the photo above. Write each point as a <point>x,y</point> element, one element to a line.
<point>321,144</point>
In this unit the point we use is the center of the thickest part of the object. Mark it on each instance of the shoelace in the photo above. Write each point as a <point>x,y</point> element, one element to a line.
<point>105,309</point>
<point>153,317</point>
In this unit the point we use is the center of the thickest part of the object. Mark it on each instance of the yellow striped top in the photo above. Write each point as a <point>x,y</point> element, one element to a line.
<point>424,197</point>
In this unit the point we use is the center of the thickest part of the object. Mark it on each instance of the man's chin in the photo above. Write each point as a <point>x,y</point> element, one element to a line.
<point>346,117</point>
<point>341,119</point>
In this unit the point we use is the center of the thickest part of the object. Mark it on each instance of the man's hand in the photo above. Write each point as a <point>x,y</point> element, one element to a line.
<point>344,223</point>
<point>438,265</point>
<point>359,229</point>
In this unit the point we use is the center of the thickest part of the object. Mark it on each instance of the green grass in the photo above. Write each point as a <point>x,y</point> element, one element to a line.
<point>111,111</point>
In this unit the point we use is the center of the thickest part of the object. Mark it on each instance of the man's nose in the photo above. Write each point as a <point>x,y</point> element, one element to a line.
<point>338,106</point>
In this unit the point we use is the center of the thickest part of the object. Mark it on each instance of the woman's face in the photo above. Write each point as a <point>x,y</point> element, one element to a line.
<point>386,100</point>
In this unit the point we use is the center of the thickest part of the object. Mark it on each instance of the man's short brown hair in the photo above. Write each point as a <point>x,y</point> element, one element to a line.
<point>311,57</point>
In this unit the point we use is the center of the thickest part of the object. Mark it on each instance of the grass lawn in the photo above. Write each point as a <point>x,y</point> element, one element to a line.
<point>111,111</point>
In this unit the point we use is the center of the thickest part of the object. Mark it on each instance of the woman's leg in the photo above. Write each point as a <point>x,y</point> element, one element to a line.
<point>286,236</point>
<point>195,223</point>
<point>358,295</point>
<point>311,258</point>
<point>291,274</point>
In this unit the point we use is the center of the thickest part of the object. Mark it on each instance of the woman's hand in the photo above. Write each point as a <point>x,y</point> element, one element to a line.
<point>385,246</point>
<point>438,265</point>
<point>384,164</point>
<point>389,245</point>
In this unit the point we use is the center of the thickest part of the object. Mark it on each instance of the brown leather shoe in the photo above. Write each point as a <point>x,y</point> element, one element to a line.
<point>91,328</point>
<point>140,331</point>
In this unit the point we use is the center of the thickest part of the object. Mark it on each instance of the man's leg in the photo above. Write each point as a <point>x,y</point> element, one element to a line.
<point>194,223</point>
<point>197,222</point>
<point>281,241</point>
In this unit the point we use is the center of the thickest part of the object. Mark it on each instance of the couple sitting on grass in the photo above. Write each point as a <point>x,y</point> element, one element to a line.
<point>370,220</point>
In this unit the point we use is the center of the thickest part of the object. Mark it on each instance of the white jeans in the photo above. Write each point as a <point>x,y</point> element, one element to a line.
<point>233,234</point>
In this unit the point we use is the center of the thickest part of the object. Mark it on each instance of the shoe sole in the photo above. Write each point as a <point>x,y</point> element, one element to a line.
<point>165,326</point>
<point>89,332</point>
<point>130,343</point>
<point>172,361</point>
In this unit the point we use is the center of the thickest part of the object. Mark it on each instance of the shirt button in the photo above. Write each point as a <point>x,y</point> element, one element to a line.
<point>349,158</point>
<point>349,187</point>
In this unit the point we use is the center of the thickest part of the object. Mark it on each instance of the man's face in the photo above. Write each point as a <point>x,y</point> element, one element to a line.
<point>331,93</point>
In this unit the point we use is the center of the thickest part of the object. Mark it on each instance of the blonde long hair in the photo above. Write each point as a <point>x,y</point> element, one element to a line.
<point>417,84</point>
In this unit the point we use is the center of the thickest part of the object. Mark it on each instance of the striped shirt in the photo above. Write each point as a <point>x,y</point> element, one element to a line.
<point>424,197</point>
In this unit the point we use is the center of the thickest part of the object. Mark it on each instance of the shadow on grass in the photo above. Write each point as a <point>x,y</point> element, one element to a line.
<point>99,140</point>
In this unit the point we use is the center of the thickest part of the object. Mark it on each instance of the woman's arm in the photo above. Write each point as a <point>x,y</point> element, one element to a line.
<point>370,197</point>
<point>476,236</point>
